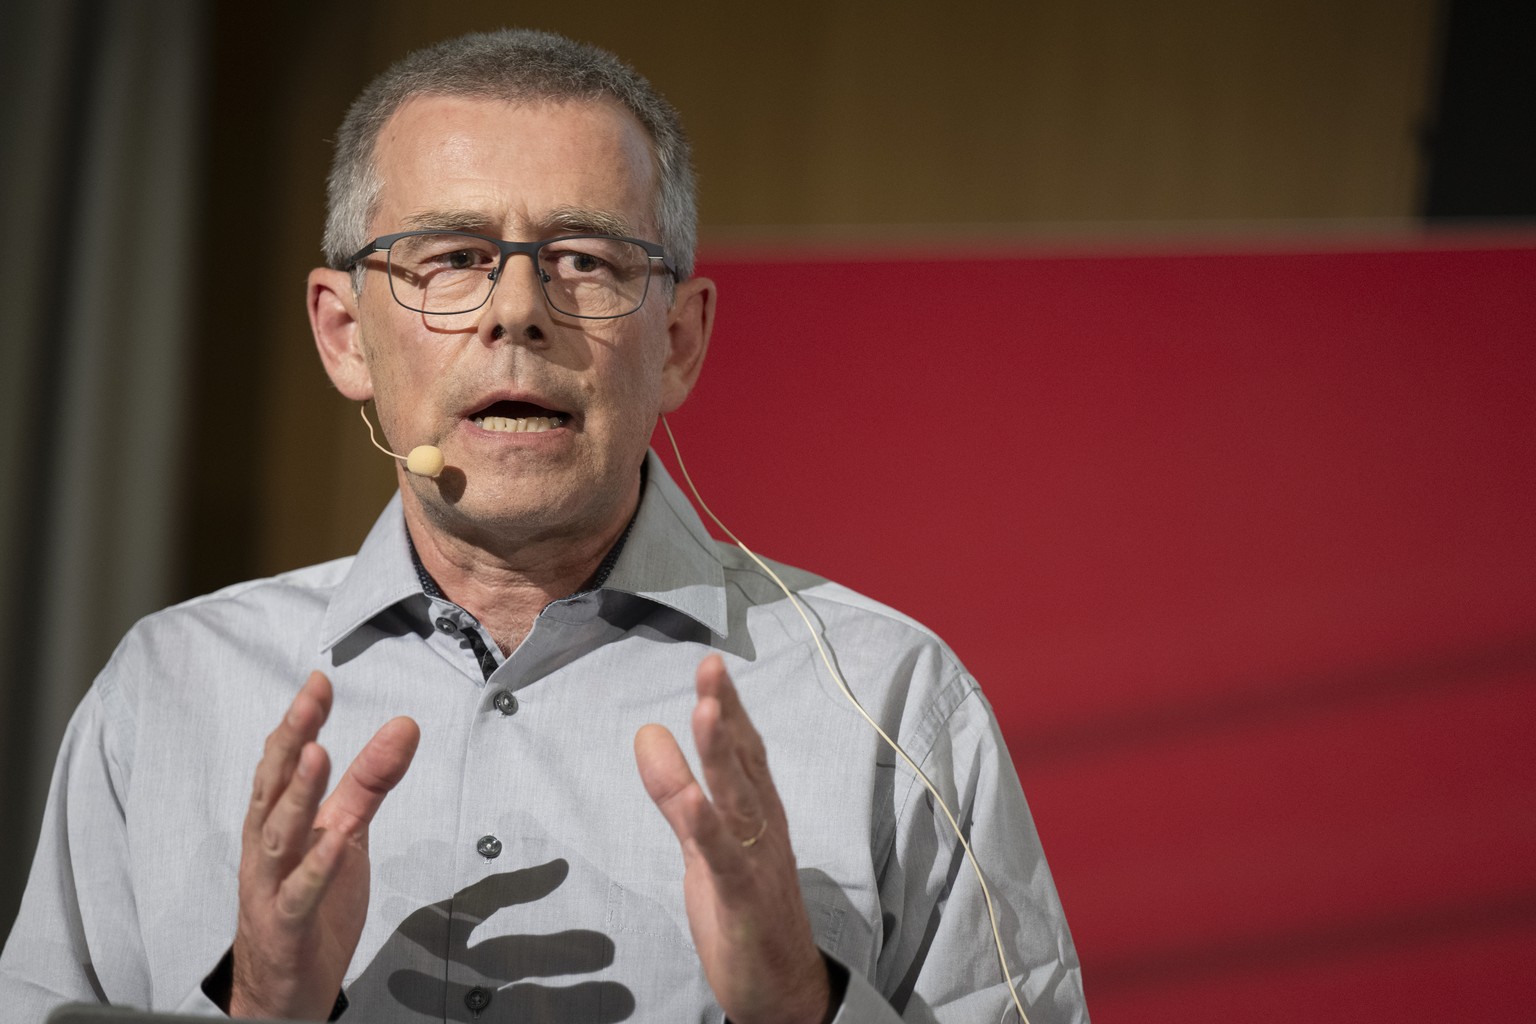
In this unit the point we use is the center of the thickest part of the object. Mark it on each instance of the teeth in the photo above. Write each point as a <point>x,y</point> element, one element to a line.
<point>519,424</point>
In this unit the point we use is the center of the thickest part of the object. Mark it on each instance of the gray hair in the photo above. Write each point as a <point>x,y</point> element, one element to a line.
<point>516,65</point>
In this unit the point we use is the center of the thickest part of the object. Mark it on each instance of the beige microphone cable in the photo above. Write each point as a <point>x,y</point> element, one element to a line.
<point>997,937</point>
<point>424,460</point>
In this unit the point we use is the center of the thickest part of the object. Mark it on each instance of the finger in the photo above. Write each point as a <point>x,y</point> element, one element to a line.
<point>712,680</point>
<point>300,725</point>
<point>663,769</point>
<point>288,832</point>
<point>730,790</point>
<point>302,889</point>
<point>376,770</point>
<point>731,752</point>
<point>671,786</point>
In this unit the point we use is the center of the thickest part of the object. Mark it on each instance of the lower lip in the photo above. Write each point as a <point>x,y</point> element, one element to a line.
<point>522,436</point>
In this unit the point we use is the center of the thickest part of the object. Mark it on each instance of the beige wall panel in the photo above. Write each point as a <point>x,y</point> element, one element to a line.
<point>905,113</point>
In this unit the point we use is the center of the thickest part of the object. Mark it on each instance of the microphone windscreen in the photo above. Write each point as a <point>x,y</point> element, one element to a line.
<point>425,460</point>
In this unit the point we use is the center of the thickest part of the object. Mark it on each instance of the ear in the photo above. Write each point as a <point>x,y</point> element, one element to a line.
<point>689,323</point>
<point>333,319</point>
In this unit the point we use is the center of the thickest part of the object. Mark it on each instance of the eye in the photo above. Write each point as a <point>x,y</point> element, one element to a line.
<point>436,253</point>
<point>461,259</point>
<point>593,259</point>
<point>454,254</point>
<point>577,258</point>
<point>585,263</point>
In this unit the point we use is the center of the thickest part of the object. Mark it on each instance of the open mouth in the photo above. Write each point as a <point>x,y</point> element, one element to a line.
<point>518,418</point>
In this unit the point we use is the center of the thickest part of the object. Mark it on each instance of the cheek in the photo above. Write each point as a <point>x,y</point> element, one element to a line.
<point>399,357</point>
<point>641,382</point>
<point>635,361</point>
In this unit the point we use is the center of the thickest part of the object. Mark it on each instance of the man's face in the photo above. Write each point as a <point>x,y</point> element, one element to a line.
<point>524,172</point>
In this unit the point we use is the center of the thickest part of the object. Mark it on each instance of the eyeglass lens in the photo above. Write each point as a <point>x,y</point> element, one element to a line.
<point>447,272</point>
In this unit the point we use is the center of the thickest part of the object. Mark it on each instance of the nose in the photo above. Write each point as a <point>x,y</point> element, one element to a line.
<point>516,307</point>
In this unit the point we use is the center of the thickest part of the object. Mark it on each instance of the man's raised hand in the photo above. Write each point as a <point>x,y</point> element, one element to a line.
<point>304,863</point>
<point>743,897</point>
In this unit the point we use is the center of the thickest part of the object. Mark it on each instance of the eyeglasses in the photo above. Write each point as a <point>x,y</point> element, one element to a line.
<point>594,277</point>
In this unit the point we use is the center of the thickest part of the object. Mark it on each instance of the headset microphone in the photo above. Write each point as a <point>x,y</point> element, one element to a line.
<point>424,460</point>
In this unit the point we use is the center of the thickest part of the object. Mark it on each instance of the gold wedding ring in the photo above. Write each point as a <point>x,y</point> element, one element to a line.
<point>760,830</point>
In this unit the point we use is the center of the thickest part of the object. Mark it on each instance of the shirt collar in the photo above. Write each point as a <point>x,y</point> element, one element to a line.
<point>669,559</point>
<point>382,575</point>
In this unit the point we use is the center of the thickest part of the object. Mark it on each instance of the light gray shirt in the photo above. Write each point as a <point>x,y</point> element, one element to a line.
<point>520,861</point>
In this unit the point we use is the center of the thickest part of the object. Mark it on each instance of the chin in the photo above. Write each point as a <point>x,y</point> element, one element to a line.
<point>507,514</point>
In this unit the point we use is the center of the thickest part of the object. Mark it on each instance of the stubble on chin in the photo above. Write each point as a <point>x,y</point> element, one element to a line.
<point>504,516</point>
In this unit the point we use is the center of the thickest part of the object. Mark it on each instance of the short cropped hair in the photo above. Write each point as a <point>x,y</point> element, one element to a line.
<point>515,65</point>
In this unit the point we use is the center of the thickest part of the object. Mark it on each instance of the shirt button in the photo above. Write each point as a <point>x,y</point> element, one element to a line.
<point>477,999</point>
<point>447,626</point>
<point>489,847</point>
<point>505,702</point>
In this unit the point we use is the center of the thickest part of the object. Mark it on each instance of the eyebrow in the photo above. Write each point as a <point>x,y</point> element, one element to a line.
<point>583,220</point>
<point>447,220</point>
<point>562,220</point>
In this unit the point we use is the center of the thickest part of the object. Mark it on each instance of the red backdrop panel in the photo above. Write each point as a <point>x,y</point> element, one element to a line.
<point>1242,546</point>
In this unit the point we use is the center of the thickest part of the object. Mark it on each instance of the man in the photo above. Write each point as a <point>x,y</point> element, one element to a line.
<point>507,661</point>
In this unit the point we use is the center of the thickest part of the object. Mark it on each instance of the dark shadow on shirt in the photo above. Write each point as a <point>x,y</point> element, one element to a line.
<point>400,619</point>
<point>652,620</point>
<point>904,991</point>
<point>497,966</point>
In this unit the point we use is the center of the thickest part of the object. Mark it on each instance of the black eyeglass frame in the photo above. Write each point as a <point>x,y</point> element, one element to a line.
<point>384,243</point>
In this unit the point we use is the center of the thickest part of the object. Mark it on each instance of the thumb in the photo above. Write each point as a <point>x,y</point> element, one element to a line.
<point>376,770</point>
<point>668,779</point>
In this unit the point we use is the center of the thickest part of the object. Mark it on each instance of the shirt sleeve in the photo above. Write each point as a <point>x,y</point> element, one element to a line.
<point>77,937</point>
<point>939,962</point>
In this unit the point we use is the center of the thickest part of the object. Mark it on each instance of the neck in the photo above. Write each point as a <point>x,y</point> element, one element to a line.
<point>504,582</point>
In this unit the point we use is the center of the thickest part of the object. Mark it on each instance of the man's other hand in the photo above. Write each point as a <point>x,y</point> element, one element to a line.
<point>304,864</point>
<point>743,897</point>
